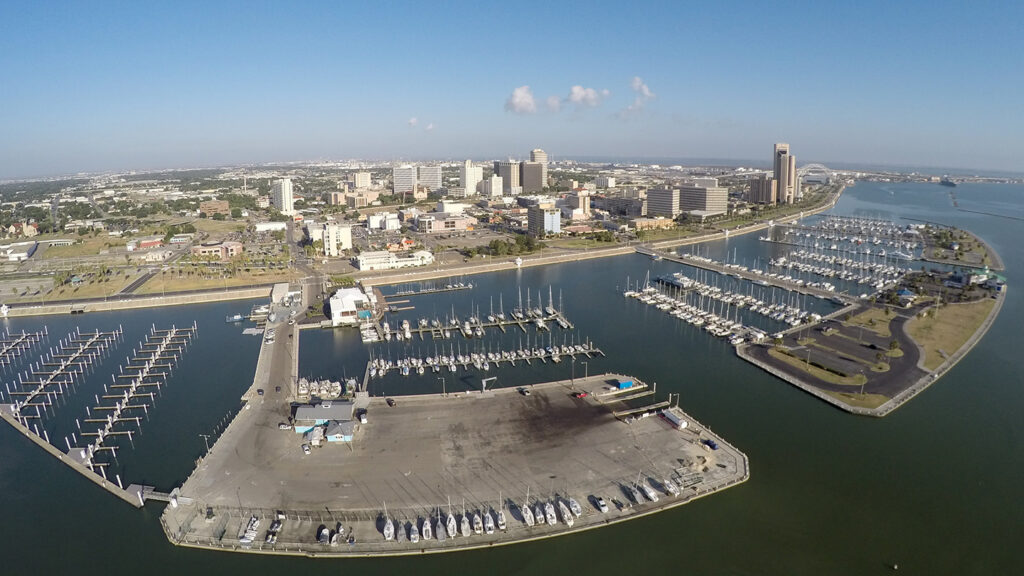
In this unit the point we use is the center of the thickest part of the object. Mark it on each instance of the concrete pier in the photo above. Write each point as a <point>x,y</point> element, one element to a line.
<point>559,442</point>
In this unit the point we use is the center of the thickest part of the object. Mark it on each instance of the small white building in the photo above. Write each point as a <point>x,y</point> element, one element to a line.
<point>270,226</point>
<point>351,306</point>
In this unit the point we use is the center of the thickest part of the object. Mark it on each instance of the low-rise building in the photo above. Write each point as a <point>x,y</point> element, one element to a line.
<point>270,226</point>
<point>309,416</point>
<point>652,223</point>
<point>440,222</point>
<point>351,306</point>
<point>219,250</point>
<point>384,260</point>
<point>149,242</point>
<point>211,207</point>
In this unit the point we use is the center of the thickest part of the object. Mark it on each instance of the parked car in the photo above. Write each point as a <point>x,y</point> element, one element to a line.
<point>580,395</point>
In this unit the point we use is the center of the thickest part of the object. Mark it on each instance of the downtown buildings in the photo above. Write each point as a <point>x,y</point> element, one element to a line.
<point>281,197</point>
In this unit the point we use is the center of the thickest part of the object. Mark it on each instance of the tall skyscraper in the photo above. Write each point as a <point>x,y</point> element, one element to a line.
<point>509,172</point>
<point>430,176</point>
<point>538,155</point>
<point>531,177</point>
<point>281,197</point>
<point>470,177</point>
<point>787,182</point>
<point>404,179</point>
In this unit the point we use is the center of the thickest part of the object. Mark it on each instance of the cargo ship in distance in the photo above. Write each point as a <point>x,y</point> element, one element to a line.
<point>947,182</point>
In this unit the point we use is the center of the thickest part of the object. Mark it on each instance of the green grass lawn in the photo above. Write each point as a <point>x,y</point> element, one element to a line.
<point>947,329</point>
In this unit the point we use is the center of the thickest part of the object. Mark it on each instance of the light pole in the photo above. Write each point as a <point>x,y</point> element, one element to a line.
<point>586,369</point>
<point>443,391</point>
<point>572,383</point>
<point>206,440</point>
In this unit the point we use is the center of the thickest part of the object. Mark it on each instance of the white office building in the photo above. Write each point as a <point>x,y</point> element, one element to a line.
<point>337,238</point>
<point>281,196</point>
<point>470,177</point>
<point>404,179</point>
<point>430,177</point>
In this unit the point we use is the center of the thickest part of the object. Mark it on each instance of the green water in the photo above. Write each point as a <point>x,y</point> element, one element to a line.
<point>933,487</point>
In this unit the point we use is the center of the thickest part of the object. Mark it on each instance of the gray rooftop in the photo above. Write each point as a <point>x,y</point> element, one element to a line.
<point>337,410</point>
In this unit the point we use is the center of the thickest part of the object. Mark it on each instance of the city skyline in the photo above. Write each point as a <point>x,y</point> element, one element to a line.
<point>124,87</point>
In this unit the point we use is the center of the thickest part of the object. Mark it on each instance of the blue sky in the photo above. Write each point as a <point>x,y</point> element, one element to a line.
<point>95,86</point>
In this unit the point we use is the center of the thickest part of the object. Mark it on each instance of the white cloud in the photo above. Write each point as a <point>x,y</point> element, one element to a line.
<point>414,121</point>
<point>429,127</point>
<point>521,101</point>
<point>643,94</point>
<point>587,96</point>
<point>554,103</point>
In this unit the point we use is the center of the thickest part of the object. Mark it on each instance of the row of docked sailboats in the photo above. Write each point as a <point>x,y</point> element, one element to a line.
<point>446,526</point>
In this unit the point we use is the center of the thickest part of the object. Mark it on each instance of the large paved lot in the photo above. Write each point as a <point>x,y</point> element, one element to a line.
<point>488,449</point>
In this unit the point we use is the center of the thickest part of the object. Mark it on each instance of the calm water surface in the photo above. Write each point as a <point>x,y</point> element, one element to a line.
<point>934,486</point>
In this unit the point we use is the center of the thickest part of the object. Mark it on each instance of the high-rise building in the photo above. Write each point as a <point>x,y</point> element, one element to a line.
<point>663,201</point>
<point>361,179</point>
<point>531,177</point>
<point>493,186</point>
<point>470,177</point>
<point>540,156</point>
<point>430,177</point>
<point>762,190</point>
<point>543,219</point>
<point>337,238</point>
<point>605,182</point>
<point>509,172</point>
<point>708,200</point>
<point>404,179</point>
<point>787,181</point>
<point>281,197</point>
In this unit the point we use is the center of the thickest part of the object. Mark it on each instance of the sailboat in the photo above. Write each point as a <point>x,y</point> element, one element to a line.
<point>501,514</point>
<point>478,523</point>
<point>451,520</point>
<point>488,522</point>
<point>400,532</point>
<point>527,513</point>
<point>539,513</point>
<point>414,533</point>
<point>389,526</point>
<point>442,534</point>
<point>465,520</point>
<point>566,514</point>
<point>427,532</point>
<point>549,513</point>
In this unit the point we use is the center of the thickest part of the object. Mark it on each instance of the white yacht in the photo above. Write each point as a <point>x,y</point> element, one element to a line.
<point>575,507</point>
<point>566,514</point>
<point>549,513</point>
<point>488,522</point>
